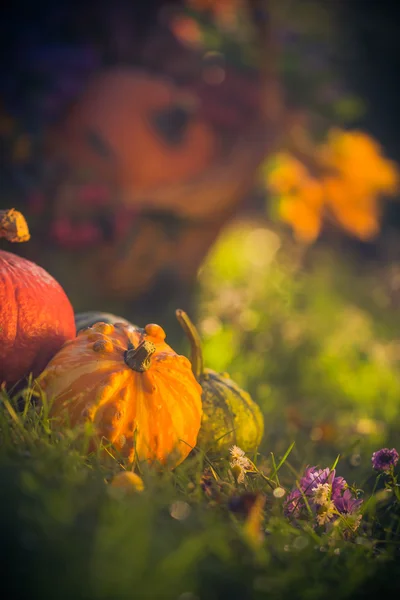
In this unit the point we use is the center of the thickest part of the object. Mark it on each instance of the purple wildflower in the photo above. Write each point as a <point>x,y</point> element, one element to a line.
<point>347,504</point>
<point>385,459</point>
<point>338,486</point>
<point>313,476</point>
<point>294,503</point>
<point>336,495</point>
<point>308,483</point>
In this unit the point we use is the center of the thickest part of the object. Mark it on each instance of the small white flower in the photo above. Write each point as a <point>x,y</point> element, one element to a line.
<point>243,462</point>
<point>238,470</point>
<point>325,513</point>
<point>240,459</point>
<point>322,493</point>
<point>236,452</point>
<point>241,476</point>
<point>353,521</point>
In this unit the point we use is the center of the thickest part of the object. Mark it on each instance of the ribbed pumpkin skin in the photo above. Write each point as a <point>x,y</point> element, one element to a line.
<point>148,414</point>
<point>230,416</point>
<point>36,318</point>
<point>87,319</point>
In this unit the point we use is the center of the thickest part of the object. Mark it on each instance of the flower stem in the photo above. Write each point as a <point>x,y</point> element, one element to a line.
<point>196,353</point>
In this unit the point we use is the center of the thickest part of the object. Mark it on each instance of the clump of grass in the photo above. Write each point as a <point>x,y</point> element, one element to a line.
<point>200,531</point>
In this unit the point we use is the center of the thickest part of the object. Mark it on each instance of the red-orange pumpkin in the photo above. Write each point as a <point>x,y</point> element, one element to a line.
<point>36,317</point>
<point>138,393</point>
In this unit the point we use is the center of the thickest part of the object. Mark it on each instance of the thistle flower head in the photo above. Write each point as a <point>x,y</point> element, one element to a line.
<point>385,459</point>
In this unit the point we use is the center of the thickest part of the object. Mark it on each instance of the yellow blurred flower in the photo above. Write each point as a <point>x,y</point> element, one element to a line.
<point>301,196</point>
<point>288,175</point>
<point>304,220</point>
<point>350,175</point>
<point>356,210</point>
<point>128,482</point>
<point>253,525</point>
<point>358,158</point>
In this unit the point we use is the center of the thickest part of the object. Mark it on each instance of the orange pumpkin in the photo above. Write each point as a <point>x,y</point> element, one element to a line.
<point>138,393</point>
<point>36,316</point>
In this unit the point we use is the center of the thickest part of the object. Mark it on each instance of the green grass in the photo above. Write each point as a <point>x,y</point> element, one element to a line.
<point>315,346</point>
<point>66,533</point>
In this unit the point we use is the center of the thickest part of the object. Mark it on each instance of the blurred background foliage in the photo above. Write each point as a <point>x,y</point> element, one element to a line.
<point>262,107</point>
<point>310,336</point>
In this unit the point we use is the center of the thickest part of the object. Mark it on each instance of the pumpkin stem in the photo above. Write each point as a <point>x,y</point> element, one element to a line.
<point>196,353</point>
<point>139,359</point>
<point>13,226</point>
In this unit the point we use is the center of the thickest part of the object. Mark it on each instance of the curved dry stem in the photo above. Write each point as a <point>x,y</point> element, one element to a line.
<point>196,354</point>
